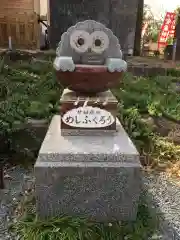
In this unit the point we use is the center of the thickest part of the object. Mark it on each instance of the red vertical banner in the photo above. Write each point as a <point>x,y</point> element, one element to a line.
<point>172,28</point>
<point>167,29</point>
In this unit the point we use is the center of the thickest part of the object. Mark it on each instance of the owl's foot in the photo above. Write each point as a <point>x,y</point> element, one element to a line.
<point>64,64</point>
<point>116,64</point>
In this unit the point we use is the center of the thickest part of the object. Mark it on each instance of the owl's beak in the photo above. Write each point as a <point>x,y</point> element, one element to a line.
<point>89,50</point>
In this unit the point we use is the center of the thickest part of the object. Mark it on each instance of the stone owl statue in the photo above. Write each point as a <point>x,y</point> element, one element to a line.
<point>89,43</point>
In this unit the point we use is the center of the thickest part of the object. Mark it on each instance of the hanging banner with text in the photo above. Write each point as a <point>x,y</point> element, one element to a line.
<point>167,29</point>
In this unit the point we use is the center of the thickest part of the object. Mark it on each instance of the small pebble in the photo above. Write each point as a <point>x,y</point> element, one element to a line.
<point>14,220</point>
<point>165,195</point>
<point>29,190</point>
<point>21,194</point>
<point>13,168</point>
<point>7,176</point>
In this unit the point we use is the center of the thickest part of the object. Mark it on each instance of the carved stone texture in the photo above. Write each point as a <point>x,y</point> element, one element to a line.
<point>89,58</point>
<point>123,17</point>
<point>66,13</point>
<point>118,15</point>
<point>79,112</point>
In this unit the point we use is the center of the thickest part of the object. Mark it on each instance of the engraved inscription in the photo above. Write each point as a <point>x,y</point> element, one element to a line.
<point>88,117</point>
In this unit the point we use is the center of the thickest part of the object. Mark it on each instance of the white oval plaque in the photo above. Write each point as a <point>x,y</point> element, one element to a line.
<point>88,117</point>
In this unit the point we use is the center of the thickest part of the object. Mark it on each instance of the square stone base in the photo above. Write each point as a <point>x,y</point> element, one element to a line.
<point>98,177</point>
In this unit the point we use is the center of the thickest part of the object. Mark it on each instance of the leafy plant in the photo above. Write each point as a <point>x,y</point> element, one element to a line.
<point>29,227</point>
<point>165,152</point>
<point>29,90</point>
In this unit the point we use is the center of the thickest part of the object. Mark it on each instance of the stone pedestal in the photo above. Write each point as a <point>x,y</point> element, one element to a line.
<point>97,177</point>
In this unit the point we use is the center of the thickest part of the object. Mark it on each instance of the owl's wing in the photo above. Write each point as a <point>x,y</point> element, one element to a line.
<point>116,64</point>
<point>64,64</point>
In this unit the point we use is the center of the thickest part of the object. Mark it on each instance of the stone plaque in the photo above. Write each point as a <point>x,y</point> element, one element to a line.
<point>88,117</point>
<point>88,113</point>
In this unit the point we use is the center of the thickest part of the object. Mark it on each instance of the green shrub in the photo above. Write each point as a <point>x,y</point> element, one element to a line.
<point>30,90</point>
<point>29,227</point>
<point>27,91</point>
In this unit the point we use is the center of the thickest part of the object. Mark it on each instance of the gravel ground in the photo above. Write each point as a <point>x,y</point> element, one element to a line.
<point>163,195</point>
<point>17,181</point>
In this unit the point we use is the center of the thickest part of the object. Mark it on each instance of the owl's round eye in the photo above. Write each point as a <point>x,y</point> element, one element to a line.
<point>97,42</point>
<point>79,41</point>
<point>100,42</point>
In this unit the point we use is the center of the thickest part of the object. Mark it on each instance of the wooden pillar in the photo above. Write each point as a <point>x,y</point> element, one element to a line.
<point>177,38</point>
<point>139,22</point>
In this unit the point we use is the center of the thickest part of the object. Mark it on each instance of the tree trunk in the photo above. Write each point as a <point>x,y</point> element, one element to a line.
<point>177,39</point>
